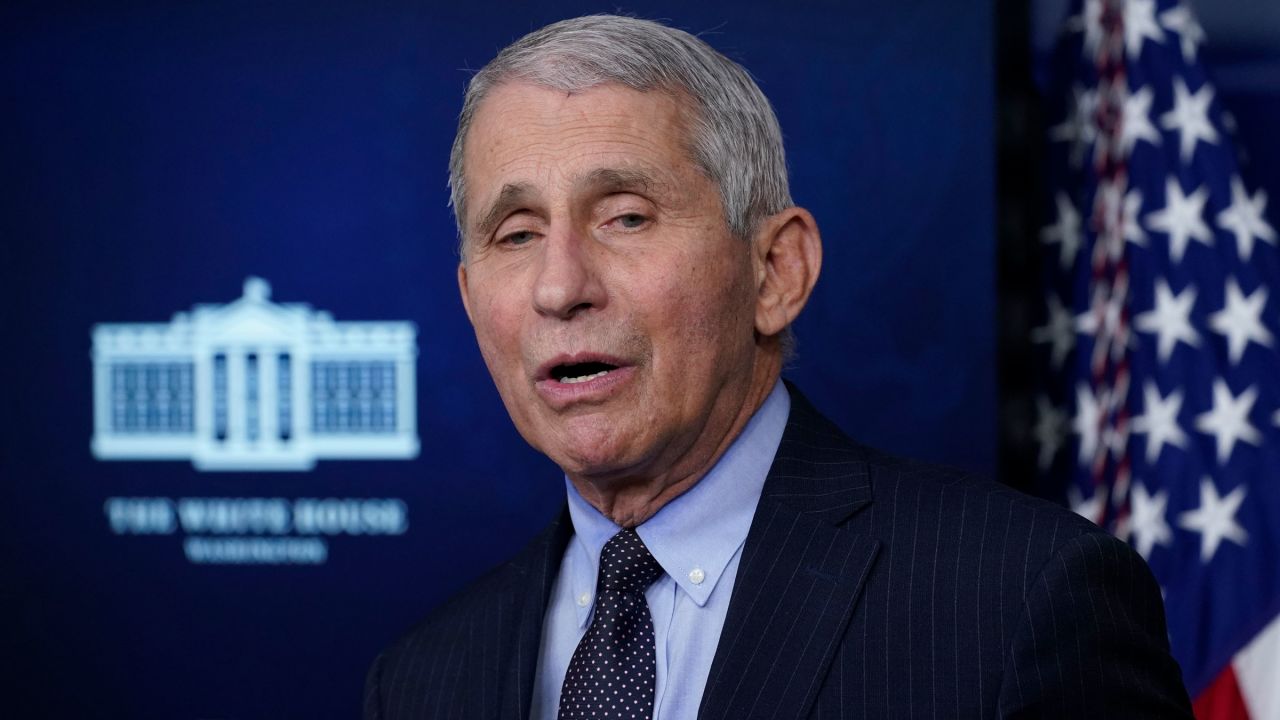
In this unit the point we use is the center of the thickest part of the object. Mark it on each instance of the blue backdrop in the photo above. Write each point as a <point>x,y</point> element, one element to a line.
<point>156,155</point>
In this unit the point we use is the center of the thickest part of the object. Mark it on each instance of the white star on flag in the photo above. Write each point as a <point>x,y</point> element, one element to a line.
<point>1228,421</point>
<point>1215,519</point>
<point>1136,123</point>
<point>1244,218</point>
<point>1181,218</point>
<point>1190,117</point>
<point>1159,421</point>
<point>1132,228</point>
<point>1051,424</point>
<point>1078,127</point>
<point>1058,330</point>
<point>1240,320</point>
<point>1088,413</point>
<point>1147,523</point>
<point>1065,230</point>
<point>1170,319</point>
<point>1090,509</point>
<point>1103,315</point>
<point>1180,20</point>
<point>1090,21</point>
<point>1140,24</point>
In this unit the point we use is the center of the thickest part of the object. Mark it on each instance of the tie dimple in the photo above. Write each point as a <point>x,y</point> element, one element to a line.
<point>613,672</point>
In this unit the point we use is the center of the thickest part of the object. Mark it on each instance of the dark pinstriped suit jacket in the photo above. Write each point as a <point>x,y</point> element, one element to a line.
<point>869,587</point>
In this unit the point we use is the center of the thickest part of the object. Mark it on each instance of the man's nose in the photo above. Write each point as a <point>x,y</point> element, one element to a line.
<point>567,282</point>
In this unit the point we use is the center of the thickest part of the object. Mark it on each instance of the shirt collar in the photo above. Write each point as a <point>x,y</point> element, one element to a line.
<point>694,536</point>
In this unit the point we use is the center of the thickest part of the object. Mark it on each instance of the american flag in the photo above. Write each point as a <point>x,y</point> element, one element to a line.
<point>1161,411</point>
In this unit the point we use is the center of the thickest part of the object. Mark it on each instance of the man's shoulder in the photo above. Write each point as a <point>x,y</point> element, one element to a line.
<point>960,501</point>
<point>904,492</point>
<point>470,638</point>
<point>955,486</point>
<point>499,592</point>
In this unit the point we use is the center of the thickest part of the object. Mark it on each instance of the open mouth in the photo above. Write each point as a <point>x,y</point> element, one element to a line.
<point>571,373</point>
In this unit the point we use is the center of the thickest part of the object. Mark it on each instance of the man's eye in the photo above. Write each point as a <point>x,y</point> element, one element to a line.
<point>516,238</point>
<point>631,221</point>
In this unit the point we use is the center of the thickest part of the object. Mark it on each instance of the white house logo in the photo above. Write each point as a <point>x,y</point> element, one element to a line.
<point>254,385</point>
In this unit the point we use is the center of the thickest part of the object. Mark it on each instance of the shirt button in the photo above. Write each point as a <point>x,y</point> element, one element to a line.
<point>696,576</point>
<point>584,599</point>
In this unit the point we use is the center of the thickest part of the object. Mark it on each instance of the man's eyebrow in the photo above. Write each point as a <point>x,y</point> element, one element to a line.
<point>510,197</point>
<point>617,180</point>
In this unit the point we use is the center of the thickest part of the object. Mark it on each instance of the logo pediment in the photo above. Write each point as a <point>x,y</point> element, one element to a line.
<point>247,321</point>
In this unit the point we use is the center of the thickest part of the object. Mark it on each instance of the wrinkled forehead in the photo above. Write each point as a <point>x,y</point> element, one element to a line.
<point>522,129</point>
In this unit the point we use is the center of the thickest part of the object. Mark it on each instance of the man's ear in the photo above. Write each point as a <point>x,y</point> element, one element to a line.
<point>462,290</point>
<point>787,259</point>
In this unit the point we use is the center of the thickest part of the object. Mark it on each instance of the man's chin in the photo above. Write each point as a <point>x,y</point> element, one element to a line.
<point>595,465</point>
<point>601,458</point>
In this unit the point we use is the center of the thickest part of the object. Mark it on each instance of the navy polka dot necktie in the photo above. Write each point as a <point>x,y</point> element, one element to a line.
<point>612,673</point>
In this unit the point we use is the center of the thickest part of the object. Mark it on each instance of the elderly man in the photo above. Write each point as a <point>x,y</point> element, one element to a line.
<point>631,263</point>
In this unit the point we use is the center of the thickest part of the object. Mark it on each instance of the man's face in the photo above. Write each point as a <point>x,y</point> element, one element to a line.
<point>613,307</point>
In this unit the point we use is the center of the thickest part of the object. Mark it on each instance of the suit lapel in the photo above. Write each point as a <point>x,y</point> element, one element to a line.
<point>524,606</point>
<point>799,577</point>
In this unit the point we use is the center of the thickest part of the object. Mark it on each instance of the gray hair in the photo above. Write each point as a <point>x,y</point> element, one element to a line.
<point>735,136</point>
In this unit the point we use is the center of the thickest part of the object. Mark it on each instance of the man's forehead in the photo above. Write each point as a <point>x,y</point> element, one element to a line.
<point>515,117</point>
<point>527,138</point>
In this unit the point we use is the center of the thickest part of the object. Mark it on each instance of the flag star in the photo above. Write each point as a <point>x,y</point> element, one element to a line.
<point>1215,519</point>
<point>1136,124</point>
<point>1190,117</point>
<point>1180,20</point>
<point>1228,420</point>
<point>1159,421</point>
<point>1244,218</point>
<point>1140,24</point>
<point>1116,438</point>
<point>1050,427</point>
<point>1090,21</point>
<point>1090,509</point>
<point>1058,330</point>
<point>1104,315</point>
<point>1066,230</point>
<point>1079,127</point>
<point>1087,322</point>
<point>1132,229</point>
<point>1240,320</point>
<point>1181,218</point>
<point>1086,423</point>
<point>1147,521</point>
<point>1111,201</point>
<point>1170,319</point>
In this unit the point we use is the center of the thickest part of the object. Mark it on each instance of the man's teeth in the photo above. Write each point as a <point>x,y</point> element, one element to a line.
<point>584,378</point>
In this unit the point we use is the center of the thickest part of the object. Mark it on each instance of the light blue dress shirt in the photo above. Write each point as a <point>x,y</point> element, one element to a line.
<point>698,539</point>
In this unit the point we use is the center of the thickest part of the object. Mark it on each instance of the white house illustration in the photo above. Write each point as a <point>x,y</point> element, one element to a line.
<point>254,385</point>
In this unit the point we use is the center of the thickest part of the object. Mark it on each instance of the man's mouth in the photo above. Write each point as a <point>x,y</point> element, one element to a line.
<point>572,373</point>
<point>583,377</point>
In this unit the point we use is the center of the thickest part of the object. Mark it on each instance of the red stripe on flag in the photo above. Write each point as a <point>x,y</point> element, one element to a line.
<point>1222,699</point>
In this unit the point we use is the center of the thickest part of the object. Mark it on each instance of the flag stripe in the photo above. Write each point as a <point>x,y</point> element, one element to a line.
<point>1258,672</point>
<point>1222,700</point>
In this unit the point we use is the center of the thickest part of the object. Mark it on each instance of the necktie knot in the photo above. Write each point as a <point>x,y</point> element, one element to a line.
<point>626,565</point>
